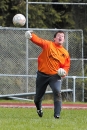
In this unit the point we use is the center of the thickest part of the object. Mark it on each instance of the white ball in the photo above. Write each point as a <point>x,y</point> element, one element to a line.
<point>19,20</point>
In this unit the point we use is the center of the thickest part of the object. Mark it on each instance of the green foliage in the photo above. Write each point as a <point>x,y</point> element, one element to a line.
<point>50,16</point>
<point>44,15</point>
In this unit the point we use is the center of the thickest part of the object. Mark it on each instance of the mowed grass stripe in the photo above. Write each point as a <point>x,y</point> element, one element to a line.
<point>27,119</point>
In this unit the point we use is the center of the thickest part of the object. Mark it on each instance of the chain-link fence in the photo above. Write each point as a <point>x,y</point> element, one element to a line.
<point>18,60</point>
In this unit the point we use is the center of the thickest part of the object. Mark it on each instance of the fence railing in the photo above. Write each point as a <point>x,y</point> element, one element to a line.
<point>67,89</point>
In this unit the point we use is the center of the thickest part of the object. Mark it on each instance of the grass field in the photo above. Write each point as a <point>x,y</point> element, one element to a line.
<point>27,119</point>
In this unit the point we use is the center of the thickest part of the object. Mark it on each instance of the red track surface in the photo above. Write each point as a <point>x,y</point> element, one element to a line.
<point>28,105</point>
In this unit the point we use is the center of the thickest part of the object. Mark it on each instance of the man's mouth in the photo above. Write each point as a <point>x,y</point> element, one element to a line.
<point>60,40</point>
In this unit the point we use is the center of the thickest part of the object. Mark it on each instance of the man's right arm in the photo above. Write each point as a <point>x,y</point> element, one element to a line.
<point>35,39</point>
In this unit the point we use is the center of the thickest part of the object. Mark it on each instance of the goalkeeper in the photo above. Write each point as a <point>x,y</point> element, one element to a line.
<point>53,65</point>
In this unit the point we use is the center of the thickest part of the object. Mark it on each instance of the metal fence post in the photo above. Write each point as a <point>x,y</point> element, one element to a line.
<point>74,78</point>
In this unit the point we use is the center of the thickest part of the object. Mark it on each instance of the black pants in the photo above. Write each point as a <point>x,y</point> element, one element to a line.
<point>54,81</point>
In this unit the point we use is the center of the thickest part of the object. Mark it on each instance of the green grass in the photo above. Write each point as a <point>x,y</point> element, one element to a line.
<point>44,101</point>
<point>27,119</point>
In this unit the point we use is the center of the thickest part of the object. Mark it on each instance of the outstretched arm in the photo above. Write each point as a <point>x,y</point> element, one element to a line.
<point>35,39</point>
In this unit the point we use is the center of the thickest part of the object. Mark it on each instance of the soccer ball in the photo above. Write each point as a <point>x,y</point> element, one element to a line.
<point>19,20</point>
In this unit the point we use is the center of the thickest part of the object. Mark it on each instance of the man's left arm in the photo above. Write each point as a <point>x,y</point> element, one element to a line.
<point>63,71</point>
<point>66,66</point>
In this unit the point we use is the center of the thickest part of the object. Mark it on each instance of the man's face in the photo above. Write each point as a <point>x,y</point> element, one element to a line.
<point>59,39</point>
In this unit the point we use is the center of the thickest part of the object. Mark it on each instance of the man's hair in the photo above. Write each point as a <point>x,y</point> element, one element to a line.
<point>60,31</point>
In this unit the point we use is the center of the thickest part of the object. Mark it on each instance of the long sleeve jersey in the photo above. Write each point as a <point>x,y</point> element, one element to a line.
<point>52,57</point>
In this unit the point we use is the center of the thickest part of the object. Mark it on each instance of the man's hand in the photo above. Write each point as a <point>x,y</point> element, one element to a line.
<point>61,72</point>
<point>28,34</point>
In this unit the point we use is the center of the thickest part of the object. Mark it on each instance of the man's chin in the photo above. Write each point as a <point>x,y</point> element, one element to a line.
<point>60,43</point>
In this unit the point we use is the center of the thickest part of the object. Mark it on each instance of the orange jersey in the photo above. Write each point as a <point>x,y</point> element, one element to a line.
<point>52,57</point>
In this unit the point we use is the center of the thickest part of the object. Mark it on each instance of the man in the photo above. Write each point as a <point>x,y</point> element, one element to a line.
<point>53,64</point>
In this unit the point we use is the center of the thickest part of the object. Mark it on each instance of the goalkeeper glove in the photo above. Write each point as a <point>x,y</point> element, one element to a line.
<point>28,34</point>
<point>61,72</point>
